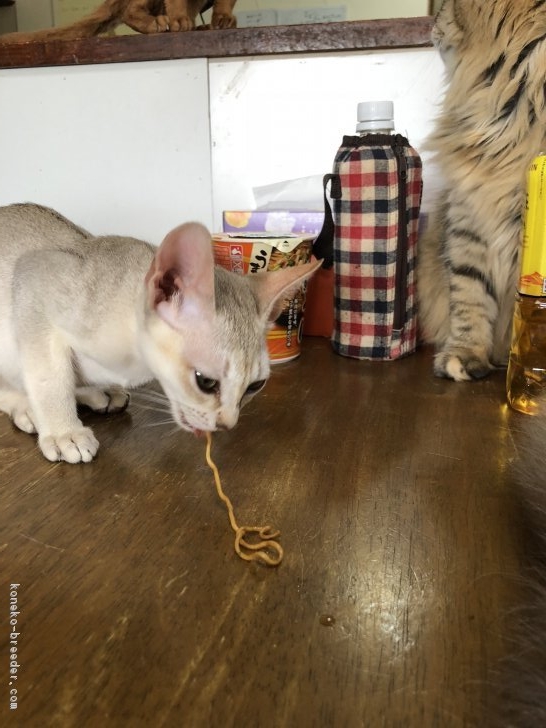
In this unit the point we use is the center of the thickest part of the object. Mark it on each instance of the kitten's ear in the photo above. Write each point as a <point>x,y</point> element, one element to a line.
<point>180,281</point>
<point>271,289</point>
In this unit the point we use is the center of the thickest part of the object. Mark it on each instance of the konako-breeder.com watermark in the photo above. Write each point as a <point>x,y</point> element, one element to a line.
<point>14,634</point>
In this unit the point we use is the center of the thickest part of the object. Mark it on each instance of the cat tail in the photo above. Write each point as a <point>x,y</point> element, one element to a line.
<point>106,17</point>
<point>521,678</point>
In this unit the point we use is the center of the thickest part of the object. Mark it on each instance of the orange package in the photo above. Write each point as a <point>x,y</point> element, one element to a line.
<point>253,252</point>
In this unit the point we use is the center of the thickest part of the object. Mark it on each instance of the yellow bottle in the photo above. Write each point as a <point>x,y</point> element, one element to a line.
<point>526,376</point>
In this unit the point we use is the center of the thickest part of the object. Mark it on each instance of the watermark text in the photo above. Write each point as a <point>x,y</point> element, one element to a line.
<point>13,643</point>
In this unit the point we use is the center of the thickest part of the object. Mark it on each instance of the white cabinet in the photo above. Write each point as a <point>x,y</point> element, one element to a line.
<point>119,148</point>
<point>137,148</point>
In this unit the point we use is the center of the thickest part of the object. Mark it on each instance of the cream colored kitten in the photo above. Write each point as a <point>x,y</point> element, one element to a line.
<point>83,318</point>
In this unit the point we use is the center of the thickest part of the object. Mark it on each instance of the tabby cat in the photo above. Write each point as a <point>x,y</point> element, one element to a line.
<point>83,318</point>
<point>144,16</point>
<point>491,125</point>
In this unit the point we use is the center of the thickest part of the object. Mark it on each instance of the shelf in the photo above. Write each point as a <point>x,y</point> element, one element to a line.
<point>358,35</point>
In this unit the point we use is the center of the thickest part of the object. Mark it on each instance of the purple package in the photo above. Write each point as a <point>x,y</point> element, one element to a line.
<point>280,222</point>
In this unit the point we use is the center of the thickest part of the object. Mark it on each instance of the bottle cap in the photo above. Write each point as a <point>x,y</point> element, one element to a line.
<point>375,115</point>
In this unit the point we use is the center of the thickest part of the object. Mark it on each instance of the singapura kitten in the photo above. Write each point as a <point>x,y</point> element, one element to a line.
<point>491,125</point>
<point>144,16</point>
<point>82,318</point>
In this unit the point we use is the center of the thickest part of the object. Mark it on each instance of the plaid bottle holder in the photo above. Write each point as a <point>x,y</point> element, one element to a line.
<point>376,188</point>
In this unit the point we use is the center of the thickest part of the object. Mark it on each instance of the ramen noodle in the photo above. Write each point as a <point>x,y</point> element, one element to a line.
<point>245,549</point>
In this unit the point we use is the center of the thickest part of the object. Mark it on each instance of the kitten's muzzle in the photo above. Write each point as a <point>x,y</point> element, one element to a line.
<point>226,422</point>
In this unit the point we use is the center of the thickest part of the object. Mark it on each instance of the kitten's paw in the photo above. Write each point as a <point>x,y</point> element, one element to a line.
<point>23,419</point>
<point>16,405</point>
<point>119,400</point>
<point>461,365</point>
<point>104,401</point>
<point>78,446</point>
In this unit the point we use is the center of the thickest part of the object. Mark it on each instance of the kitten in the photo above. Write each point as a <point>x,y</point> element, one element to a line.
<point>144,16</point>
<point>491,125</point>
<point>83,318</point>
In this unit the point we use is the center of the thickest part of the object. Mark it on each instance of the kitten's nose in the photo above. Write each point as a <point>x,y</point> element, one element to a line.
<point>226,421</point>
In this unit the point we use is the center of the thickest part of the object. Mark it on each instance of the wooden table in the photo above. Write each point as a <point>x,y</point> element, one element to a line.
<point>397,513</point>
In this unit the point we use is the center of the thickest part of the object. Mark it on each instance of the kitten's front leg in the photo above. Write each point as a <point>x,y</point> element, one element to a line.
<point>49,382</point>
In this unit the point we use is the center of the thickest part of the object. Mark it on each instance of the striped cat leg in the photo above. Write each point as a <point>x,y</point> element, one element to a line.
<point>473,304</point>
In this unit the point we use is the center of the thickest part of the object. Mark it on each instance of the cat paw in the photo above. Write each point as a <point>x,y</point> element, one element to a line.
<point>23,418</point>
<point>461,365</point>
<point>104,401</point>
<point>78,446</point>
<point>223,20</point>
<point>179,23</point>
<point>162,24</point>
<point>119,400</point>
<point>145,23</point>
<point>16,405</point>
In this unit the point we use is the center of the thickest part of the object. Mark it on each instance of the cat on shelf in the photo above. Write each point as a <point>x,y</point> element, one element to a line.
<point>144,16</point>
<point>84,318</point>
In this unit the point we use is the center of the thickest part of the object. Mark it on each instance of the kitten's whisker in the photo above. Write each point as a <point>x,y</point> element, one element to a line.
<point>166,410</point>
<point>169,433</point>
<point>151,404</point>
<point>145,394</point>
<point>161,423</point>
<point>153,396</point>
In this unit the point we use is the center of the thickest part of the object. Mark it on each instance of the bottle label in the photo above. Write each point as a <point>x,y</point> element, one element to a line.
<point>532,281</point>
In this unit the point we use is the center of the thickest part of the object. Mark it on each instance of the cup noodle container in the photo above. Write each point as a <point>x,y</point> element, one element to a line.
<point>254,252</point>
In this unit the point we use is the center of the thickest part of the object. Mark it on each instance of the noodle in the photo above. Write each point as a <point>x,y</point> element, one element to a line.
<point>256,550</point>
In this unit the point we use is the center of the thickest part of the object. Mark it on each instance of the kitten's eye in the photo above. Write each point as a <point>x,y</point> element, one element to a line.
<point>255,386</point>
<point>206,384</point>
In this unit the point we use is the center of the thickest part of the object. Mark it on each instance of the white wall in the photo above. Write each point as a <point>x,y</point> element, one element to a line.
<point>8,19</point>
<point>68,11</point>
<point>120,148</point>
<point>353,9</point>
<point>275,119</point>
<point>33,14</point>
<point>135,148</point>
